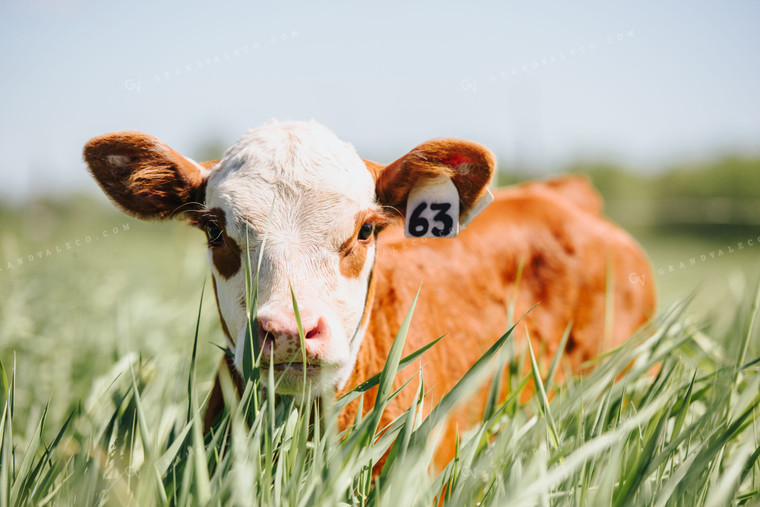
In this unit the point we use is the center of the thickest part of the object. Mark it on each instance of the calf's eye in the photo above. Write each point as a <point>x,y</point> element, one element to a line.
<point>214,234</point>
<point>365,232</point>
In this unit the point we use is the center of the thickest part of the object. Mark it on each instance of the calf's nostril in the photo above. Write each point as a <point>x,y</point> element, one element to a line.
<point>312,333</point>
<point>265,333</point>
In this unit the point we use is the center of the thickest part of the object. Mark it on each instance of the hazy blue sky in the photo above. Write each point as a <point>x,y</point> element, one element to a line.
<point>541,83</point>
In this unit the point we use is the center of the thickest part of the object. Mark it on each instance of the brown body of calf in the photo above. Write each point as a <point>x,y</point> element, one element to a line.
<point>554,232</point>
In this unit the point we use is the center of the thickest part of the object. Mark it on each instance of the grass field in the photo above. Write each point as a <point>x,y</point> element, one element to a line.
<point>97,323</point>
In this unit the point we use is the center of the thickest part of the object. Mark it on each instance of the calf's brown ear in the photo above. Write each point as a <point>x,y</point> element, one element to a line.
<point>145,177</point>
<point>469,165</point>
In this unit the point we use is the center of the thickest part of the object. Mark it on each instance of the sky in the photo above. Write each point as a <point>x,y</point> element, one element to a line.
<point>543,84</point>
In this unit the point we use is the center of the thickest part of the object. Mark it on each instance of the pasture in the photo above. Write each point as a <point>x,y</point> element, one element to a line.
<point>99,315</point>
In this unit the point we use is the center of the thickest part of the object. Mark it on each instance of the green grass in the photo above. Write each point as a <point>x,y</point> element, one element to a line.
<point>685,436</point>
<point>107,360</point>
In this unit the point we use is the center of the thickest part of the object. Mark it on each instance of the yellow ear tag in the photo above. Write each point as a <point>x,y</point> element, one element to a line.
<point>432,208</point>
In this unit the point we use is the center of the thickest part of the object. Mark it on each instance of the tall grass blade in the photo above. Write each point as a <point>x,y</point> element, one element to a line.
<point>465,385</point>
<point>387,376</point>
<point>301,337</point>
<point>750,328</point>
<point>557,355</point>
<point>5,461</point>
<point>375,379</point>
<point>542,399</point>
<point>201,482</point>
<point>251,350</point>
<point>19,489</point>
<point>191,374</point>
<point>683,409</point>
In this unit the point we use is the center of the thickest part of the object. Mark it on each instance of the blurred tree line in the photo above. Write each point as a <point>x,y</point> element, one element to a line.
<point>713,196</point>
<point>701,196</point>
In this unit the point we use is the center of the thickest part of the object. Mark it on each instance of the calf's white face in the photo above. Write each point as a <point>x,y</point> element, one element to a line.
<point>314,199</point>
<point>301,200</point>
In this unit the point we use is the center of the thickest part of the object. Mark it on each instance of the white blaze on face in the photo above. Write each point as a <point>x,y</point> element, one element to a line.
<point>318,191</point>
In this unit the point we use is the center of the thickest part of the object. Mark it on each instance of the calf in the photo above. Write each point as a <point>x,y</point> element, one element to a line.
<point>334,236</point>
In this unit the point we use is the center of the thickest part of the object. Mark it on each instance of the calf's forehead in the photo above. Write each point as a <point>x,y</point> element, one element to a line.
<point>301,167</point>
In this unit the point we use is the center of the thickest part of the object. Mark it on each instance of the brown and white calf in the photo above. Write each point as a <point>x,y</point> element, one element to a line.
<point>334,226</point>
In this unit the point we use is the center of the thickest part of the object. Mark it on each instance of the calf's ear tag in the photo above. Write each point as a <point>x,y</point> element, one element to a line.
<point>432,208</point>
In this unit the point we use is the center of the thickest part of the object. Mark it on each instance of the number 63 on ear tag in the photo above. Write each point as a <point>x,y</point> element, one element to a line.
<point>432,208</point>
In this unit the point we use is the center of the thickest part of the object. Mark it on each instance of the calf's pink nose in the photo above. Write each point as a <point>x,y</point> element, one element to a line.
<point>275,328</point>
